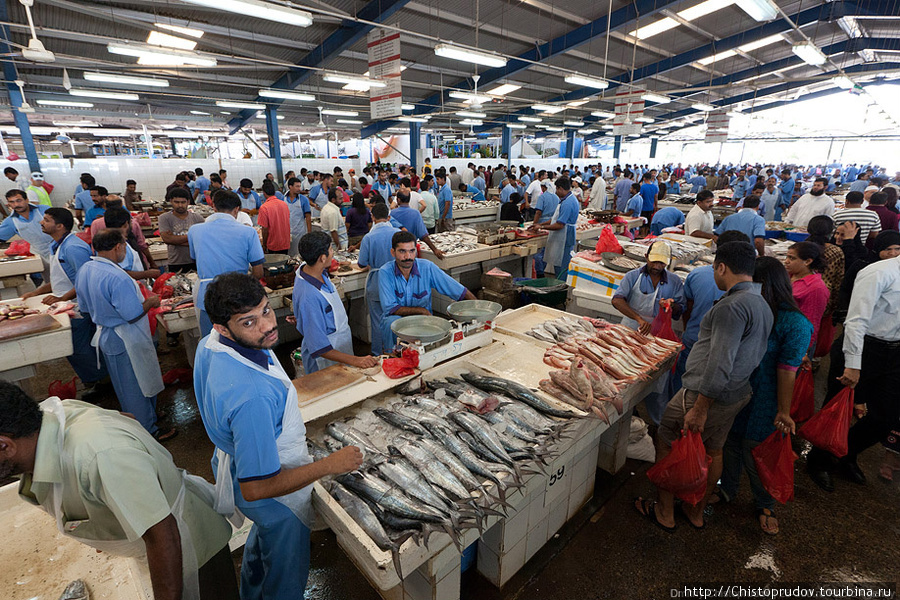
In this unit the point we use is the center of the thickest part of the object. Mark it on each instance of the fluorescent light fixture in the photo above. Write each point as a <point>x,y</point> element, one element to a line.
<point>127,80</point>
<point>750,47</point>
<point>574,123</point>
<point>487,59</point>
<point>413,119</point>
<point>76,124</point>
<point>408,107</point>
<point>587,131</point>
<point>348,121</point>
<point>644,120</point>
<point>634,135</point>
<point>285,95</point>
<point>153,55</point>
<point>602,114</point>
<point>188,31</point>
<point>702,106</point>
<point>716,57</point>
<point>241,105</point>
<point>810,53</point>
<point>471,122</point>
<point>549,128</point>
<point>104,95</point>
<point>158,38</point>
<point>516,126</point>
<point>662,132</point>
<point>657,98</point>
<point>843,82</point>
<point>530,119</point>
<point>548,108</point>
<point>470,114</point>
<point>353,79</point>
<point>703,9</point>
<point>591,82</point>
<point>224,112</point>
<point>260,10</point>
<point>654,28</point>
<point>607,127</point>
<point>317,134</point>
<point>503,89</point>
<point>479,98</point>
<point>263,116</point>
<point>340,113</point>
<point>759,10</point>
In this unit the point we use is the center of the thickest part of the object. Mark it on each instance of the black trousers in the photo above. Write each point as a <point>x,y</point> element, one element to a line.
<point>217,577</point>
<point>879,390</point>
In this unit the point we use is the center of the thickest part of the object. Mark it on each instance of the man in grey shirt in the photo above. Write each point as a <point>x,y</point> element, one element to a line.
<point>454,178</point>
<point>173,228</point>
<point>731,343</point>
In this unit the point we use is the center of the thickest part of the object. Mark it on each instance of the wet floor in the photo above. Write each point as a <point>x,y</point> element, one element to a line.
<point>609,551</point>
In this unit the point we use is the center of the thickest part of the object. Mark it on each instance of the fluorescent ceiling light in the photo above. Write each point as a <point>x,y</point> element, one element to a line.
<point>340,113</point>
<point>702,106</point>
<point>654,28</point>
<point>548,128</point>
<point>260,10</point>
<point>408,107</point>
<point>591,82</point>
<point>602,114</point>
<point>843,82</point>
<point>662,132</point>
<point>487,59</point>
<point>473,115</point>
<point>703,9</point>
<point>316,134</point>
<point>577,103</point>
<point>759,10</point>
<point>285,95</point>
<point>479,98</point>
<point>263,116</point>
<point>105,95</point>
<point>76,124</point>
<point>194,33</point>
<point>715,57</point>
<point>607,127</point>
<point>574,123</point>
<point>659,99</point>
<point>127,80</point>
<point>643,120</point>
<point>810,53</point>
<point>158,38</point>
<point>152,55</point>
<point>471,122</point>
<point>760,43</point>
<point>587,131</point>
<point>224,112</point>
<point>353,79</point>
<point>413,119</point>
<point>548,108</point>
<point>348,121</point>
<point>634,135</point>
<point>503,89</point>
<point>65,103</point>
<point>516,126</point>
<point>241,105</point>
<point>530,119</point>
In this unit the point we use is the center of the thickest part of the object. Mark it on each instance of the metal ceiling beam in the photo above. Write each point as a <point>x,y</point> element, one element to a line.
<point>10,74</point>
<point>578,36</point>
<point>339,41</point>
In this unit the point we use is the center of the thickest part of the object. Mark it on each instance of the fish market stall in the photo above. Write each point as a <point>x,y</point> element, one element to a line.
<point>31,333</point>
<point>14,271</point>
<point>466,212</point>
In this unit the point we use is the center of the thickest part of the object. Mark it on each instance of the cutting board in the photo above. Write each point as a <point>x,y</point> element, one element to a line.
<point>29,325</point>
<point>324,382</point>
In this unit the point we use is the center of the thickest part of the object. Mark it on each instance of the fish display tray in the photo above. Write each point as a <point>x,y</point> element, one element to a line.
<point>24,266</point>
<point>38,347</point>
<point>516,322</point>
<point>450,261</point>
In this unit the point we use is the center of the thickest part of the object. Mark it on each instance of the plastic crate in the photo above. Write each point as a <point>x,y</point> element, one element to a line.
<point>469,557</point>
<point>536,296</point>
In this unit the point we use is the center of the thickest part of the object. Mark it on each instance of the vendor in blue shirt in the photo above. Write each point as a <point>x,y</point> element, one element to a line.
<point>669,216</point>
<point>25,221</point>
<point>383,187</point>
<point>411,220</point>
<point>70,253</point>
<point>561,228</point>
<point>250,200</point>
<point>698,183</point>
<point>741,185</point>
<point>748,222</point>
<point>509,188</point>
<point>635,205</point>
<point>477,195</point>
<point>649,192</point>
<point>222,245</point>
<point>262,465</point>
<point>99,196</point>
<point>374,253</point>
<point>319,311</point>
<point>787,191</point>
<point>479,183</point>
<point>405,285</point>
<point>201,185</point>
<point>83,201</point>
<point>622,191</point>
<point>300,211</point>
<point>544,208</point>
<point>445,202</point>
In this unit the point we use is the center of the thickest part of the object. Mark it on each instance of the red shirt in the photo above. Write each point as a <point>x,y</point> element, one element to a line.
<point>888,218</point>
<point>275,216</point>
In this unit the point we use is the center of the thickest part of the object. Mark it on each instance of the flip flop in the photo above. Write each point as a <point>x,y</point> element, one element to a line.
<point>164,436</point>
<point>648,511</point>
<point>691,523</point>
<point>768,514</point>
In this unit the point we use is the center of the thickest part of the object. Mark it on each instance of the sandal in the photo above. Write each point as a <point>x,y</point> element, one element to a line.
<point>691,523</point>
<point>646,507</point>
<point>165,436</point>
<point>767,514</point>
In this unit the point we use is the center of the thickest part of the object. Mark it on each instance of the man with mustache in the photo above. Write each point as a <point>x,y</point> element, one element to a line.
<point>405,285</point>
<point>250,411</point>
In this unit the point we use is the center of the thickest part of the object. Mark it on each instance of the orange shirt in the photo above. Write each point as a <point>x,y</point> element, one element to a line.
<point>275,216</point>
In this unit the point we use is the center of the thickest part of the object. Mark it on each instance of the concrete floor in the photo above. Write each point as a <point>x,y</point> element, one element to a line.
<point>608,550</point>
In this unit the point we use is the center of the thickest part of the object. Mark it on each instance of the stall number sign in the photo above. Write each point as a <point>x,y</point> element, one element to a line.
<point>556,483</point>
<point>384,65</point>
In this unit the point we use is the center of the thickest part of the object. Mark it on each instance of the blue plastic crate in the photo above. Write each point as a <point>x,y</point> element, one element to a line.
<point>469,556</point>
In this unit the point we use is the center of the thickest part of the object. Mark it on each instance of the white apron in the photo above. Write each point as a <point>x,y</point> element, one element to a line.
<point>59,282</point>
<point>292,450</point>
<point>137,548</point>
<point>341,339</point>
<point>641,303</point>
<point>138,345</point>
<point>556,242</point>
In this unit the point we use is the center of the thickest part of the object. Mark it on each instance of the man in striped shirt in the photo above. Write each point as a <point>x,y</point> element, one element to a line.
<point>868,221</point>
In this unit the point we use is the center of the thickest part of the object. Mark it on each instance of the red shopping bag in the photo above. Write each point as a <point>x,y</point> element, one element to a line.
<point>161,289</point>
<point>684,470</point>
<point>828,428</point>
<point>803,403</point>
<point>774,460</point>
<point>395,368</point>
<point>826,337</point>
<point>64,391</point>
<point>662,325</point>
<point>18,248</point>
<point>608,242</point>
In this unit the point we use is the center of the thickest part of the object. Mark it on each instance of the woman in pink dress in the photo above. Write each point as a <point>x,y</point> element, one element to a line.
<point>803,263</point>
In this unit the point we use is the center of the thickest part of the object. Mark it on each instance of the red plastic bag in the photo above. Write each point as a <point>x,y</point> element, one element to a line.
<point>684,470</point>
<point>774,460</point>
<point>151,314</point>
<point>48,187</point>
<point>829,427</point>
<point>19,248</point>
<point>803,403</point>
<point>826,337</point>
<point>395,368</point>
<point>608,242</point>
<point>178,376</point>
<point>662,325</point>
<point>161,289</point>
<point>65,391</point>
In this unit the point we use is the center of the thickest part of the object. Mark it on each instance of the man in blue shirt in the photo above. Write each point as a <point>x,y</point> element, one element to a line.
<point>477,195</point>
<point>445,202</point>
<point>748,222</point>
<point>861,183</point>
<point>25,221</point>
<point>201,185</point>
<point>478,182</point>
<point>374,253</point>
<point>249,409</point>
<point>83,201</point>
<point>222,245</point>
<point>509,188</point>
<point>740,185</point>
<point>405,284</point>
<point>622,191</point>
<point>411,220</point>
<point>544,208</point>
<point>301,219</point>
<point>649,192</point>
<point>383,187</point>
<point>561,236</point>
<point>250,200</point>
<point>698,182</point>
<point>787,191</point>
<point>669,216</point>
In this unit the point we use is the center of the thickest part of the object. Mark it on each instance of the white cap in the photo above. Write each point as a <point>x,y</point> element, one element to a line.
<point>871,188</point>
<point>577,180</point>
<point>545,183</point>
<point>37,175</point>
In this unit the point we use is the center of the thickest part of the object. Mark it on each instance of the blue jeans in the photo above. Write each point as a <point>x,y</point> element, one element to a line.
<point>539,264</point>
<point>276,557</point>
<point>736,457</point>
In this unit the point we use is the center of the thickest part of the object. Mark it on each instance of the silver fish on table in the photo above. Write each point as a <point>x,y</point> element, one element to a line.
<point>351,436</point>
<point>517,391</point>
<point>76,590</point>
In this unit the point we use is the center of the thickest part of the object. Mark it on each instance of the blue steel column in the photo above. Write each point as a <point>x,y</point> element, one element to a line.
<point>653,142</point>
<point>274,140</point>
<point>11,74</point>
<point>570,144</point>
<point>617,146</point>
<point>506,144</point>
<point>415,137</point>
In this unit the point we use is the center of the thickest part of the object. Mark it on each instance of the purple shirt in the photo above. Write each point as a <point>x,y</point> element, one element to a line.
<point>358,224</point>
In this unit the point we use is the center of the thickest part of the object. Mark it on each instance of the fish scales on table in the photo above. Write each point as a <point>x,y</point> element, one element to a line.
<point>450,242</point>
